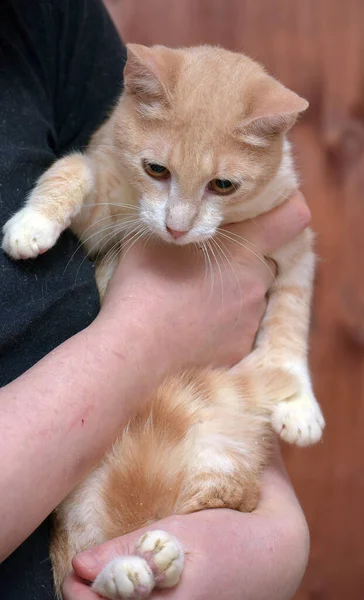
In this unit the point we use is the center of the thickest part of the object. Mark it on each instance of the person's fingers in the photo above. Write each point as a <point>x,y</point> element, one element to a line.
<point>88,564</point>
<point>75,588</point>
<point>277,496</point>
<point>275,229</point>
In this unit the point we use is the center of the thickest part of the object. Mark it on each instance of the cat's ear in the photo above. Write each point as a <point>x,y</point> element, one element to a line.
<point>275,110</point>
<point>146,78</point>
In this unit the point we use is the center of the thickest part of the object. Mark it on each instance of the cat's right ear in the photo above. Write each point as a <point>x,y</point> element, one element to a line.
<point>145,78</point>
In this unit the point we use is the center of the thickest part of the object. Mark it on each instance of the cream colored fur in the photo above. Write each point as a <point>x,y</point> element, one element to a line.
<point>205,115</point>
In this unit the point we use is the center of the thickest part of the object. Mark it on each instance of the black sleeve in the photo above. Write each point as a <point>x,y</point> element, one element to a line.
<point>61,65</point>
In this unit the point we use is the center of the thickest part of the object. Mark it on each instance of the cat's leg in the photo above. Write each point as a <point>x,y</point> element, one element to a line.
<point>53,203</point>
<point>125,577</point>
<point>104,271</point>
<point>165,556</point>
<point>159,563</point>
<point>228,444</point>
<point>283,340</point>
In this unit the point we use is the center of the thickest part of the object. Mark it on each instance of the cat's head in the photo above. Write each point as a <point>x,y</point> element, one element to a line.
<point>198,132</point>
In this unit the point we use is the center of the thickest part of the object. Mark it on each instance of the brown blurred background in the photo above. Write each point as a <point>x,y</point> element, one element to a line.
<point>316,47</point>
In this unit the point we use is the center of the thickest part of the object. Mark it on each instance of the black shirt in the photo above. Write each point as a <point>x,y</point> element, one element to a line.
<point>61,68</point>
<point>61,65</point>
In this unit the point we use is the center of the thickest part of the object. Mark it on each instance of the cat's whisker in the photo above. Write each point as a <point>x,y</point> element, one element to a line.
<point>211,269</point>
<point>118,204</point>
<point>209,245</point>
<point>78,247</point>
<point>268,191</point>
<point>281,194</point>
<point>147,238</point>
<point>130,236</point>
<point>112,226</point>
<point>131,232</point>
<point>205,260</point>
<point>232,239</point>
<point>116,229</point>
<point>222,247</point>
<point>135,239</point>
<point>240,237</point>
<point>208,266</point>
<point>120,244</point>
<point>220,244</point>
<point>111,254</point>
<point>108,237</point>
<point>114,250</point>
<point>113,218</point>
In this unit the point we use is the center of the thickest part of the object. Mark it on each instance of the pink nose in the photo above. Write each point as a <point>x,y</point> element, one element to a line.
<point>175,233</point>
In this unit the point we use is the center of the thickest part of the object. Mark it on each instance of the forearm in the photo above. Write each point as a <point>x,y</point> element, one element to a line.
<point>256,556</point>
<point>59,417</point>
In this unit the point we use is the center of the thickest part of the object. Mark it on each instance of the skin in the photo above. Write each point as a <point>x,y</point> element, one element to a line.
<point>230,555</point>
<point>272,542</point>
<point>101,374</point>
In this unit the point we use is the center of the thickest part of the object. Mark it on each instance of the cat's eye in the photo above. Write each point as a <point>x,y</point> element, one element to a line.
<point>156,171</point>
<point>223,187</point>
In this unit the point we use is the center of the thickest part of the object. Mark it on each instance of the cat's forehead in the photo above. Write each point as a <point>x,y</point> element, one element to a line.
<point>215,85</point>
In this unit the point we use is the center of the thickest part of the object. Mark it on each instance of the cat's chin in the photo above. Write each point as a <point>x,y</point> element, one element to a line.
<point>186,239</point>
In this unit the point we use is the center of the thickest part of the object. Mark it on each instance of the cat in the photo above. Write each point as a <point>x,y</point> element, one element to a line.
<point>196,140</point>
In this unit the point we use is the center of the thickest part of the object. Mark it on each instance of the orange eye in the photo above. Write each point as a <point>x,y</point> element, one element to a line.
<point>156,171</point>
<point>223,187</point>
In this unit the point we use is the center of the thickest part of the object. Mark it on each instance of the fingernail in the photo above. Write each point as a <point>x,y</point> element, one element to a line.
<point>89,560</point>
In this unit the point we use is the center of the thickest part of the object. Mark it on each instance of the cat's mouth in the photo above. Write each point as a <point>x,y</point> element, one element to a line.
<point>183,238</point>
<point>176,234</point>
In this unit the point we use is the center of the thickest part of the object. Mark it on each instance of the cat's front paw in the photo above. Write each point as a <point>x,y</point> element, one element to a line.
<point>165,556</point>
<point>29,233</point>
<point>125,577</point>
<point>299,420</point>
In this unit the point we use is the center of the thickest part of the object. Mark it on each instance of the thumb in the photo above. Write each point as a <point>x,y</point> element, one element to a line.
<point>276,228</point>
<point>88,564</point>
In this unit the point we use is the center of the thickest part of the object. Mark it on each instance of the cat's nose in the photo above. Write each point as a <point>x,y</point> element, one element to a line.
<point>175,233</point>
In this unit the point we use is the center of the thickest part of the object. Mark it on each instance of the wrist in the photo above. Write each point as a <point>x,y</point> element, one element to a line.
<point>134,336</point>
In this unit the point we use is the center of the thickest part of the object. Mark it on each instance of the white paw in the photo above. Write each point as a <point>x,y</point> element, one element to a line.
<point>299,421</point>
<point>165,556</point>
<point>29,233</point>
<point>125,577</point>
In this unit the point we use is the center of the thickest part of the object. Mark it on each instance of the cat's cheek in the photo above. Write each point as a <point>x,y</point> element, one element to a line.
<point>153,216</point>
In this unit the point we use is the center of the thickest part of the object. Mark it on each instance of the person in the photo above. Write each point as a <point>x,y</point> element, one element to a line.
<point>73,374</point>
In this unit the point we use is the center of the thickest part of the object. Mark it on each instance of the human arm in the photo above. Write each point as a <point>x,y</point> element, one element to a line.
<point>156,308</point>
<point>230,555</point>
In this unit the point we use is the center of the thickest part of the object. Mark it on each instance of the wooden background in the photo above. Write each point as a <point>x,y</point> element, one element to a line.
<point>317,48</point>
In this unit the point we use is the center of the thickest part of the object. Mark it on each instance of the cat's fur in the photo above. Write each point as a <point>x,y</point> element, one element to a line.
<point>204,113</point>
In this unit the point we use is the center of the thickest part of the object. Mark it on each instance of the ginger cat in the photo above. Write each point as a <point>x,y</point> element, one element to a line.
<point>196,140</point>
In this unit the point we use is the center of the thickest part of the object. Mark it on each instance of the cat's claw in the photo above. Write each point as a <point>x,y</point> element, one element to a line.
<point>125,577</point>
<point>159,563</point>
<point>165,556</point>
<point>299,420</point>
<point>29,233</point>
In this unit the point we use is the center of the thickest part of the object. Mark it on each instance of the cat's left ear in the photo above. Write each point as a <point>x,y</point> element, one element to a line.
<point>274,110</point>
<point>147,77</point>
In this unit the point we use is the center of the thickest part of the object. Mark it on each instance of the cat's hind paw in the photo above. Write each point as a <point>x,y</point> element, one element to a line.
<point>29,233</point>
<point>299,420</point>
<point>125,577</point>
<point>165,556</point>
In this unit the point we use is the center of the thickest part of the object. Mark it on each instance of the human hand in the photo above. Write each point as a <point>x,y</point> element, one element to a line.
<point>230,555</point>
<point>194,320</point>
